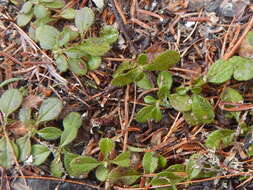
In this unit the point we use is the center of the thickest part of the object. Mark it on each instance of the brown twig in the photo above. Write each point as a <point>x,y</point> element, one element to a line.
<point>57,179</point>
<point>237,45</point>
<point>188,182</point>
<point>126,121</point>
<point>142,11</point>
<point>119,9</point>
<point>10,57</point>
<point>142,24</point>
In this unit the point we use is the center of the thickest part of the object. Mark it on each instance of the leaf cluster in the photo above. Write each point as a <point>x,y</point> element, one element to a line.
<point>196,109</point>
<point>78,57</point>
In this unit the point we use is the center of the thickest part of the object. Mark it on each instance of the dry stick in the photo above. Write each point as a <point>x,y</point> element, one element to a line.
<point>237,45</point>
<point>174,126</point>
<point>142,11</point>
<point>133,9</point>
<point>134,105</point>
<point>235,37</point>
<point>117,59</point>
<point>10,57</point>
<point>126,118</point>
<point>119,9</point>
<point>187,182</point>
<point>225,38</point>
<point>58,179</point>
<point>142,24</point>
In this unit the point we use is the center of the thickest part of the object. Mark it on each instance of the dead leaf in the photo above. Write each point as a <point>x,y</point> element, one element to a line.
<point>32,101</point>
<point>175,6</point>
<point>18,128</point>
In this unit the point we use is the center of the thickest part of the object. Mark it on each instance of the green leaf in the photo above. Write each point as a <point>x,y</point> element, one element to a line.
<point>40,11</point>
<point>25,115</point>
<point>68,13</point>
<point>122,80</point>
<point>106,146</point>
<point>47,36</point>
<point>142,59</point>
<point>64,38</point>
<point>197,85</point>
<point>123,67</point>
<point>44,21</point>
<point>109,34</point>
<point>83,164</point>
<point>243,68</point>
<point>145,82</point>
<point>24,145</point>
<point>26,8</point>
<point>49,110</point>
<point>220,139</point>
<point>123,175</point>
<point>202,110</point>
<point>74,52</point>
<point>94,62</point>
<point>56,4</point>
<point>68,157</point>
<point>150,100</point>
<point>101,173</point>
<point>163,92</point>
<point>163,61</point>
<point>162,161</point>
<point>192,167</point>
<point>180,103</point>
<point>77,66</point>
<point>157,181</point>
<point>62,64</point>
<point>164,79</point>
<point>166,177</point>
<point>39,153</point>
<point>123,159</point>
<point>221,71</point>
<point>24,19</point>
<point>181,90</point>
<point>190,118</point>
<point>148,113</point>
<point>95,46</point>
<point>135,149</point>
<point>127,78</point>
<point>31,33</point>
<point>56,167</point>
<point>84,18</point>
<point>231,95</point>
<point>8,81</point>
<point>44,1</point>
<point>49,133</point>
<point>10,101</point>
<point>250,150</point>
<point>72,122</point>
<point>72,33</point>
<point>176,168</point>
<point>8,150</point>
<point>149,162</point>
